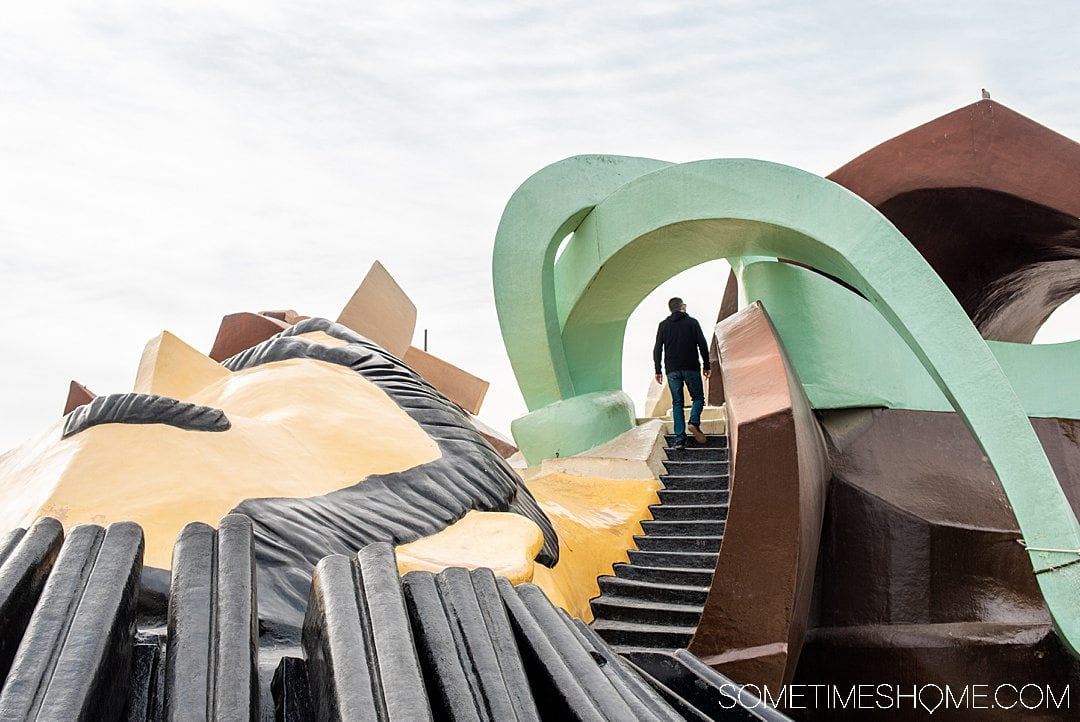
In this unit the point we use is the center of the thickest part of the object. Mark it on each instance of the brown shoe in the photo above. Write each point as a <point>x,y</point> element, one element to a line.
<point>696,433</point>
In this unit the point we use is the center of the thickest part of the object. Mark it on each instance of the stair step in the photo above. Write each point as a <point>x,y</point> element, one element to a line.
<point>685,497</point>
<point>695,482</point>
<point>678,543</point>
<point>688,468</point>
<point>643,635</point>
<point>689,512</point>
<point>682,528</point>
<point>716,441</point>
<point>653,592</point>
<point>697,453</point>
<point>636,610</point>
<point>680,559</point>
<point>665,575</point>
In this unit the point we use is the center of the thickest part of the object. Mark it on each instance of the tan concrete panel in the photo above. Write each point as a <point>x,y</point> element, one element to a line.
<point>381,311</point>
<point>169,367</point>
<point>461,387</point>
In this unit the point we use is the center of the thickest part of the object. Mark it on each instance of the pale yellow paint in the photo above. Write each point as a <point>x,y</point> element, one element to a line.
<point>169,367</point>
<point>322,338</point>
<point>596,520</point>
<point>299,428</point>
<point>505,543</point>
<point>379,310</point>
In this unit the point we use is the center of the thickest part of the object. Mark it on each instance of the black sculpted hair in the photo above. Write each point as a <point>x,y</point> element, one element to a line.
<point>674,304</point>
<point>145,409</point>
<point>292,535</point>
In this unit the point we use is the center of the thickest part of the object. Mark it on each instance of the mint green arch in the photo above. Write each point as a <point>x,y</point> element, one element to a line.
<point>541,213</point>
<point>664,221</point>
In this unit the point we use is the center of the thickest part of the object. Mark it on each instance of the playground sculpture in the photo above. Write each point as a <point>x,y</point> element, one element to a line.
<point>312,522</point>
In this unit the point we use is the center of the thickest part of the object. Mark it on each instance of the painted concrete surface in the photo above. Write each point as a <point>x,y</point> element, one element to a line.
<point>458,385</point>
<point>848,356</point>
<point>636,454</point>
<point>381,311</point>
<point>675,217</point>
<point>292,435</point>
<point>573,425</point>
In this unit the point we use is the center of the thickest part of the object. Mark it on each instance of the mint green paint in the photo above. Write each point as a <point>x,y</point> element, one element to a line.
<point>662,222</point>
<point>540,214</point>
<point>570,427</point>
<point>847,355</point>
<point>1044,376</point>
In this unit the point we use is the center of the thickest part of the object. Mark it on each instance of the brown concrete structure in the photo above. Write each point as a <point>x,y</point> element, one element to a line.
<point>921,578</point>
<point>992,201</point>
<point>288,315</point>
<point>461,387</point>
<point>755,615</point>
<point>240,331</point>
<point>381,311</point>
<point>728,306</point>
<point>77,396</point>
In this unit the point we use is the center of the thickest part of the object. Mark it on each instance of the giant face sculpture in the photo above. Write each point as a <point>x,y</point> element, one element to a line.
<point>325,440</point>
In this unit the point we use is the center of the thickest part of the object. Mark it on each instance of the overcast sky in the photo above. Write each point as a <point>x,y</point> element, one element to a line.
<point>162,166</point>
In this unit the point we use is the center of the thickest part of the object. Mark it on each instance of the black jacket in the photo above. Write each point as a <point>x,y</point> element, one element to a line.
<point>679,337</point>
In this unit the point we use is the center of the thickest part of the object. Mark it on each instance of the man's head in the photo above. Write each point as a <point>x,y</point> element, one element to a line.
<point>676,304</point>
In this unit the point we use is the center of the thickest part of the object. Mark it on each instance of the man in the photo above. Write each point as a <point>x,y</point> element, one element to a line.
<point>679,338</point>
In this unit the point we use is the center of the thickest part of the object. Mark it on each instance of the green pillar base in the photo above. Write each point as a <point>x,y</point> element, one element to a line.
<point>574,425</point>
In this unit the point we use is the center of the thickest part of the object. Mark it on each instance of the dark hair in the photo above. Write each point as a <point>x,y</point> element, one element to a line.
<point>674,304</point>
<point>145,409</point>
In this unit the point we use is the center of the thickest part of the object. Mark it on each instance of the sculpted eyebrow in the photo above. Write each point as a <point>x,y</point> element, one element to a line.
<point>145,409</point>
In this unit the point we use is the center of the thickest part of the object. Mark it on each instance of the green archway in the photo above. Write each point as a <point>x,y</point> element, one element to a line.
<point>649,221</point>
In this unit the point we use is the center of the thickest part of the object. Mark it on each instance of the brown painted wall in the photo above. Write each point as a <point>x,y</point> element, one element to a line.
<point>992,200</point>
<point>920,577</point>
<point>728,306</point>
<point>755,615</point>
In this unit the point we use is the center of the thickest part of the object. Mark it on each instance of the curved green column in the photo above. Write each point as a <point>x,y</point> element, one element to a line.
<point>540,214</point>
<point>664,221</point>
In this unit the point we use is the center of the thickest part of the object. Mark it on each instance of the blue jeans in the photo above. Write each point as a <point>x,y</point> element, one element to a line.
<point>692,379</point>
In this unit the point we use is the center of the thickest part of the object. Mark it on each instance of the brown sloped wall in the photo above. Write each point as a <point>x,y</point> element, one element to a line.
<point>755,616</point>
<point>921,579</point>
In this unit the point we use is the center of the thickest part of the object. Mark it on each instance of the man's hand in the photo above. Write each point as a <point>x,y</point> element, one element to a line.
<point>707,373</point>
<point>659,379</point>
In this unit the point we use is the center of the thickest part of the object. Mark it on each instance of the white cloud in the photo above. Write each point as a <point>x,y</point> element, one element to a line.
<point>163,166</point>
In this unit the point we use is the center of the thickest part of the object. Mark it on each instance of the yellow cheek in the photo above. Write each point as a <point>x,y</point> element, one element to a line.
<point>505,543</point>
<point>300,428</point>
<point>596,520</point>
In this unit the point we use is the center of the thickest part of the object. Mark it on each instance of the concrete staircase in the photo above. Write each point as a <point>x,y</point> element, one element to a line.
<point>654,603</point>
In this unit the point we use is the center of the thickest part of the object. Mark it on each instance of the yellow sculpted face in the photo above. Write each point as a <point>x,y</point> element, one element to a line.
<point>327,443</point>
<point>298,428</point>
